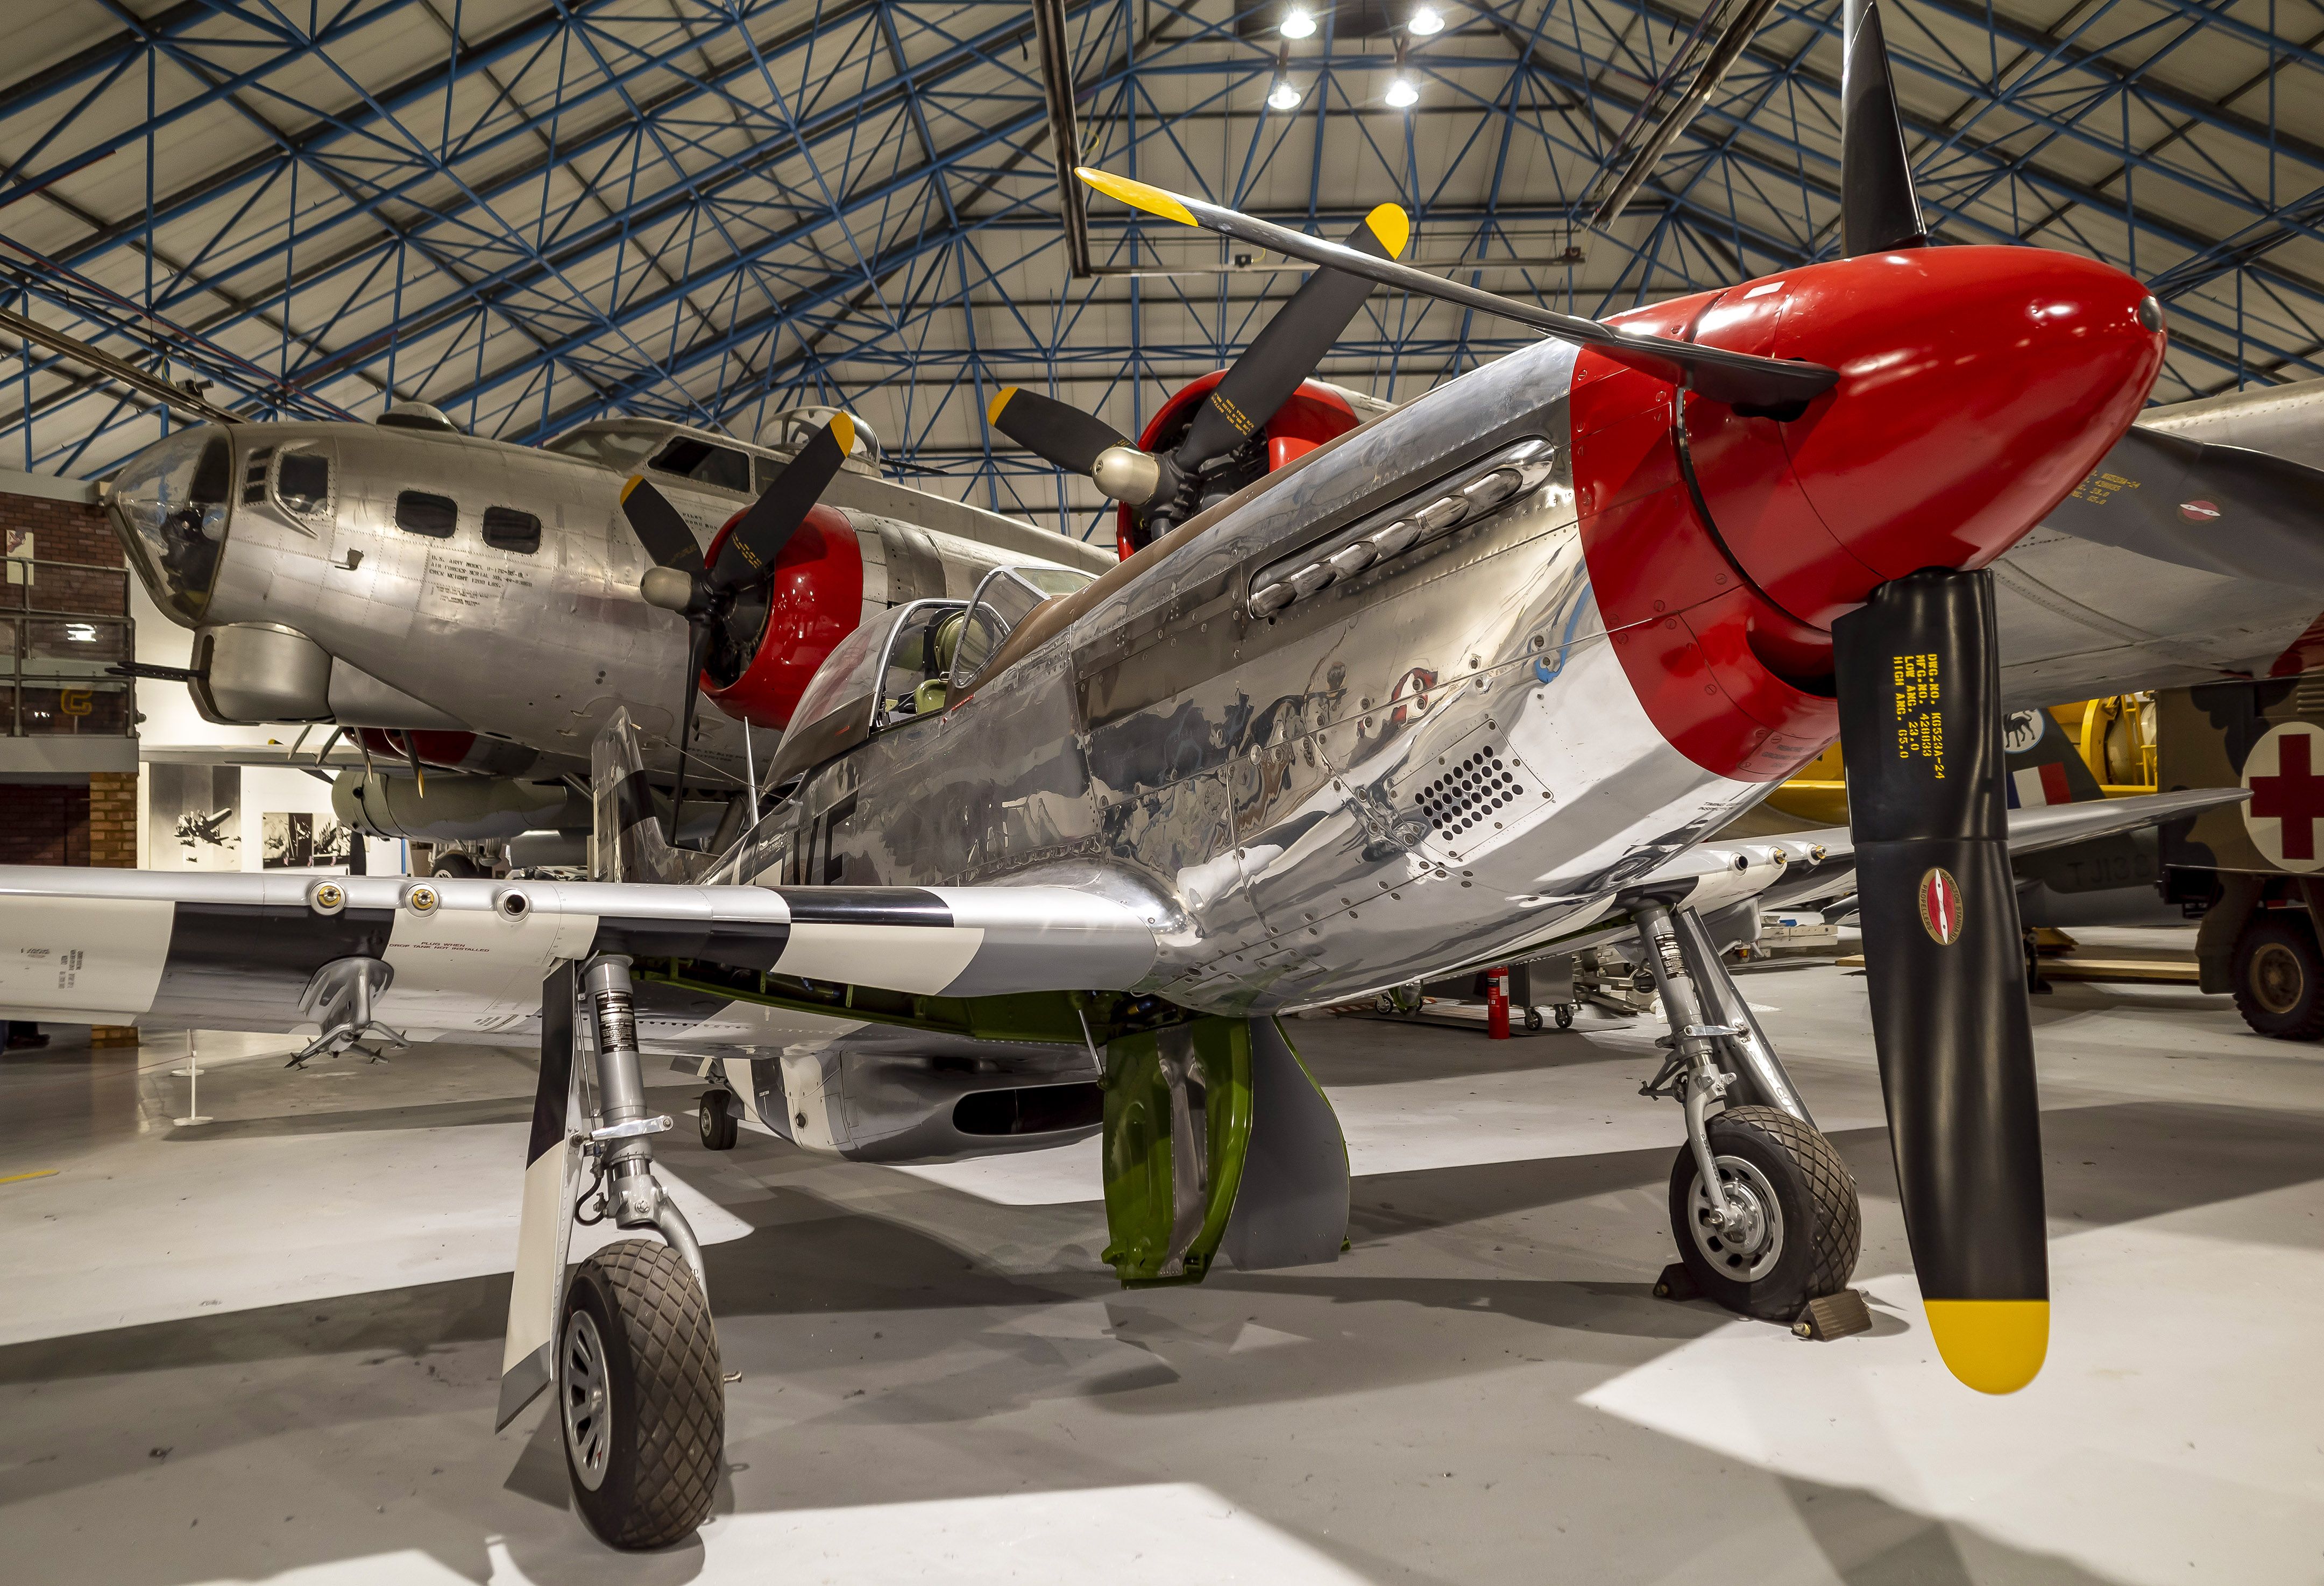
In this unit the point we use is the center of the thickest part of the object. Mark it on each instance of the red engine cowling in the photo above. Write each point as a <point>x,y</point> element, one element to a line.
<point>1313,414</point>
<point>814,600</point>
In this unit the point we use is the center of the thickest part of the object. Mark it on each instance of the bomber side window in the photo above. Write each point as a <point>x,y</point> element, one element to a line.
<point>418,512</point>
<point>506,529</point>
<point>253,482</point>
<point>303,482</point>
<point>691,457</point>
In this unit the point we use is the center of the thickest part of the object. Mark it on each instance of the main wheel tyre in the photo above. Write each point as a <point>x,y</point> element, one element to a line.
<point>2279,979</point>
<point>639,1391</point>
<point>1800,1228</point>
<point>457,865</point>
<point>716,1117</point>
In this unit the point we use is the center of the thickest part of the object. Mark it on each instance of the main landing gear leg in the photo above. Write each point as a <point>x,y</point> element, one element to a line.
<point>638,1384</point>
<point>1764,1211</point>
<point>628,1343</point>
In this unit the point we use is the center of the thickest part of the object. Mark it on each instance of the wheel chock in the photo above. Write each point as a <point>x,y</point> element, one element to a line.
<point>1676,1283</point>
<point>1834,1315</point>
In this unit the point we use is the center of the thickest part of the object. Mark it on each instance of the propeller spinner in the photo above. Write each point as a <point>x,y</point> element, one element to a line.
<point>712,598</point>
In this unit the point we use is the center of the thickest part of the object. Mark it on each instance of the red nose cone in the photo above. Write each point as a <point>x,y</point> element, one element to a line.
<point>1978,387</point>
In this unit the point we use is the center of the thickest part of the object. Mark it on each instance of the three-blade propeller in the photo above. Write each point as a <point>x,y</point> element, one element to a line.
<point>712,599</point>
<point>1158,485</point>
<point>1918,680</point>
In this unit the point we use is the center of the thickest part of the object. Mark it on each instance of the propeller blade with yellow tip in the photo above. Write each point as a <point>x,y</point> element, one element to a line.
<point>750,551</point>
<point>1919,680</point>
<point>1714,373</point>
<point>658,526</point>
<point>1058,431</point>
<point>1233,412</point>
<point>1290,345</point>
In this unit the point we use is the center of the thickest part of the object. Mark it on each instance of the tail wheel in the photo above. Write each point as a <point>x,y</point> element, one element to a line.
<point>638,1389</point>
<point>719,1127</point>
<point>2278,979</point>
<point>1799,1230</point>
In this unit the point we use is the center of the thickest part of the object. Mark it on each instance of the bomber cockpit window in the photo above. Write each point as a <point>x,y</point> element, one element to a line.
<point>612,446</point>
<point>302,483</point>
<point>1006,597</point>
<point>706,463</point>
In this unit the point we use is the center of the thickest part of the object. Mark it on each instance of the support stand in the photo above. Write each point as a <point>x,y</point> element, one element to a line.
<point>192,1073</point>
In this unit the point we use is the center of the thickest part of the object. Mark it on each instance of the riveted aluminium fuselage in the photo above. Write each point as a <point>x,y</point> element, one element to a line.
<point>536,645</point>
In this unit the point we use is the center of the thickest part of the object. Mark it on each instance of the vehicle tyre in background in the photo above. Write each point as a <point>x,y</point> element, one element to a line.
<point>2279,977</point>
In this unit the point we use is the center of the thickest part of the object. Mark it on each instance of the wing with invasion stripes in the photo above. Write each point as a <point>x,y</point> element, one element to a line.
<point>249,951</point>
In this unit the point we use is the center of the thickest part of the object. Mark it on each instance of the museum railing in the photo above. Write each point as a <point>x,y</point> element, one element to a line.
<point>61,625</point>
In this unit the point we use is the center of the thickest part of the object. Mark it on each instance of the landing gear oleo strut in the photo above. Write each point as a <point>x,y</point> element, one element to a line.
<point>627,1343</point>
<point>1764,1211</point>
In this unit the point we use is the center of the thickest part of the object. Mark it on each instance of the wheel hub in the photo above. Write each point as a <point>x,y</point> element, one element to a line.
<point>589,1413</point>
<point>1747,1240</point>
<point>2275,978</point>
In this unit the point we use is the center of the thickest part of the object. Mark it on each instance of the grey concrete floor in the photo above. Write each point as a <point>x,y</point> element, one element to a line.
<point>266,1348</point>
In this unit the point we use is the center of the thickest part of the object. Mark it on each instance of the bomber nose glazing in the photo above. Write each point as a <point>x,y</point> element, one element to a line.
<point>1978,387</point>
<point>169,506</point>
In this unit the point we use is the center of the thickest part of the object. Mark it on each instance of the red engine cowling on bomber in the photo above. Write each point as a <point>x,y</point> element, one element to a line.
<point>783,628</point>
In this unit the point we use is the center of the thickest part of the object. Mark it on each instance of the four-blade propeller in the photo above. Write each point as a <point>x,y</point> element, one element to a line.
<point>714,600</point>
<point>1918,681</point>
<point>1158,485</point>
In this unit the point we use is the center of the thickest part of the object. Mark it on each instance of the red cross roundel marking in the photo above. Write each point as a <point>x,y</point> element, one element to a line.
<point>2285,774</point>
<point>1941,907</point>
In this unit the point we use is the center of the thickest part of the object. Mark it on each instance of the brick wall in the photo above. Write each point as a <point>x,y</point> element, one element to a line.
<point>113,819</point>
<point>113,842</point>
<point>68,531</point>
<point>44,822</point>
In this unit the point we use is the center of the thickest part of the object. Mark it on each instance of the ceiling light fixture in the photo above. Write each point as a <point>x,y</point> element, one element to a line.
<point>1283,96</point>
<point>1401,94</point>
<point>1426,20</point>
<point>1298,24</point>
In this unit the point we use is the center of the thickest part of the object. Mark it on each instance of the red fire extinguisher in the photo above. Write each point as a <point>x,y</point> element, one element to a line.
<point>1497,1004</point>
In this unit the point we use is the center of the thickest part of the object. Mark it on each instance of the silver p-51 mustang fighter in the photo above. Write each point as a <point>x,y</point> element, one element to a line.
<point>1469,681</point>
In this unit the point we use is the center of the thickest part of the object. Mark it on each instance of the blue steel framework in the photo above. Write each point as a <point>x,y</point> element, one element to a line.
<point>700,209</point>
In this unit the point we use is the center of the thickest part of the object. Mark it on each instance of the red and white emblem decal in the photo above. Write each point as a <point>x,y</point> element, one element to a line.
<point>1941,907</point>
<point>2198,511</point>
